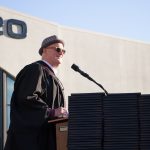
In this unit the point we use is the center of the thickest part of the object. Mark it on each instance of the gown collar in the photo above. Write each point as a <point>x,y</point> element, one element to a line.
<point>50,66</point>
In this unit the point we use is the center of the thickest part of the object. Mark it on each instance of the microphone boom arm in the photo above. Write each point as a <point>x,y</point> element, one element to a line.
<point>91,79</point>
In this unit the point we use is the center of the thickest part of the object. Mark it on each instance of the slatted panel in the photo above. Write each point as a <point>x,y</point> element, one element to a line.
<point>121,122</point>
<point>114,122</point>
<point>85,122</point>
<point>145,122</point>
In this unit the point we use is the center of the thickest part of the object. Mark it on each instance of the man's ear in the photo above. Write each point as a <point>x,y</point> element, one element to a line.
<point>44,50</point>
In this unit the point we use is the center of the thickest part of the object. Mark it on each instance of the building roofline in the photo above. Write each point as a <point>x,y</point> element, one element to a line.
<point>74,28</point>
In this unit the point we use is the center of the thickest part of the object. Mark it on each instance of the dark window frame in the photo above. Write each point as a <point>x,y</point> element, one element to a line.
<point>1,109</point>
<point>3,100</point>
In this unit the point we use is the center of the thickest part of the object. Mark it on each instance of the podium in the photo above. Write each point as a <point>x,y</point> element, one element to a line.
<point>119,121</point>
<point>61,125</point>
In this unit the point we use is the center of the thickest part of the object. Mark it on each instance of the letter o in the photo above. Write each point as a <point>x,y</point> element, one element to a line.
<point>10,32</point>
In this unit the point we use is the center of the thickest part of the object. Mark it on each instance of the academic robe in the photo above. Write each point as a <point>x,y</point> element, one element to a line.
<point>36,92</point>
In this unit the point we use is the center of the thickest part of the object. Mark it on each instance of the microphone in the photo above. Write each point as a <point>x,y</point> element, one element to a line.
<point>76,68</point>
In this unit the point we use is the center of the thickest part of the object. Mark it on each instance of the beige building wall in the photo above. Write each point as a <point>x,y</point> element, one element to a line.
<point>119,64</point>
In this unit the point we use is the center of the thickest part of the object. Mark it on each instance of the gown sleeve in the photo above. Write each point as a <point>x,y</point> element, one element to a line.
<point>28,106</point>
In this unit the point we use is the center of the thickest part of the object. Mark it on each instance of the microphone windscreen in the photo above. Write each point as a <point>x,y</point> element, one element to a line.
<point>75,67</point>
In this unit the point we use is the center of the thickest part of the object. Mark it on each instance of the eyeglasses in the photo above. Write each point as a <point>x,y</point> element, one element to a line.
<point>58,49</point>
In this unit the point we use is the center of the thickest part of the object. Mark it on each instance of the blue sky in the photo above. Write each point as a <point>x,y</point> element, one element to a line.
<point>123,18</point>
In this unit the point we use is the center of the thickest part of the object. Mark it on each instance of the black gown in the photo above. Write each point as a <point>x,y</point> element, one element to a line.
<point>36,91</point>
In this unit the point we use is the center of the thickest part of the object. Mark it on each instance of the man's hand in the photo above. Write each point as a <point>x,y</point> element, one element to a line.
<point>61,112</point>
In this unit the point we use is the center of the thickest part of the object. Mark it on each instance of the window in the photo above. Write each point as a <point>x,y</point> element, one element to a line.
<point>9,90</point>
<point>6,89</point>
